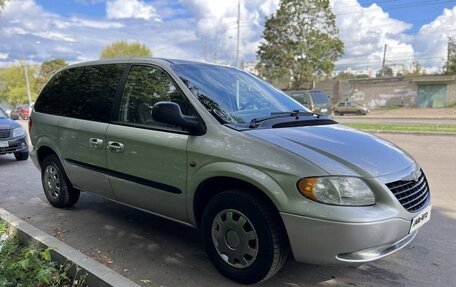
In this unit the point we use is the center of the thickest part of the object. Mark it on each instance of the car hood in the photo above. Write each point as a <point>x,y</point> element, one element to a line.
<point>6,124</point>
<point>338,149</point>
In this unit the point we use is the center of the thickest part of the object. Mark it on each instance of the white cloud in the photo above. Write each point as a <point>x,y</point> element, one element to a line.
<point>217,26</point>
<point>365,31</point>
<point>431,40</point>
<point>136,9</point>
<point>3,56</point>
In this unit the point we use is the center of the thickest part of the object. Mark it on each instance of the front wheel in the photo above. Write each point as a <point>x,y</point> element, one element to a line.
<point>56,185</point>
<point>243,238</point>
<point>21,155</point>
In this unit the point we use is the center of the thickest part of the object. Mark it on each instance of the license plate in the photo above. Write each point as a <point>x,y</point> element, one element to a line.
<point>4,144</point>
<point>324,110</point>
<point>421,219</point>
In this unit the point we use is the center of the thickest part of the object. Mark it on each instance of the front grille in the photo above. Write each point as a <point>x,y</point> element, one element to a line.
<point>412,194</point>
<point>4,134</point>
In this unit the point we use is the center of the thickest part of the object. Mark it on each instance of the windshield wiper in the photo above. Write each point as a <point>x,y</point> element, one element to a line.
<point>254,123</point>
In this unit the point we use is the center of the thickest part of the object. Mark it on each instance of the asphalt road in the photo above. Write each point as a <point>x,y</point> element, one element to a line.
<point>377,120</point>
<point>156,252</point>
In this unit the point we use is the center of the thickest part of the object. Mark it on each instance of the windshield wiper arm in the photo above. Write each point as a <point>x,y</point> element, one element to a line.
<point>294,113</point>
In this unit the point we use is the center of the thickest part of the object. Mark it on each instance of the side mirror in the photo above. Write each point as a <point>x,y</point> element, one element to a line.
<point>170,113</point>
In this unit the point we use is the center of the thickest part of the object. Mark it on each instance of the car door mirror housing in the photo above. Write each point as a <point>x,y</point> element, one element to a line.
<point>170,113</point>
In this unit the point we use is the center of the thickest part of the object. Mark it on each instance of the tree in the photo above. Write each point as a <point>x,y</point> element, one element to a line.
<point>416,68</point>
<point>385,72</point>
<point>349,76</point>
<point>451,66</point>
<point>47,69</point>
<point>14,91</point>
<point>300,42</point>
<point>124,49</point>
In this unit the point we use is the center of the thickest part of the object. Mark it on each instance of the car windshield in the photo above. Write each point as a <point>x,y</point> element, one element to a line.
<point>319,97</point>
<point>2,114</point>
<point>233,96</point>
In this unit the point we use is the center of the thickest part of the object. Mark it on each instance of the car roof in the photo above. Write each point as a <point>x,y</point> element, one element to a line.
<point>151,60</point>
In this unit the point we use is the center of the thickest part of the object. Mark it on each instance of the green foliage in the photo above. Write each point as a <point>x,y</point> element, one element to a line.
<point>386,72</point>
<point>47,69</point>
<point>28,266</point>
<point>13,87</point>
<point>300,42</point>
<point>125,49</point>
<point>2,3</point>
<point>452,66</point>
<point>349,76</point>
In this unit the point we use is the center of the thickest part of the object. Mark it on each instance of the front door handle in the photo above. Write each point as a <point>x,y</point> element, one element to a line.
<point>96,143</point>
<point>116,146</point>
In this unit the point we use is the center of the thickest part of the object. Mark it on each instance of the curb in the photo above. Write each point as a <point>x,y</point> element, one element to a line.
<point>98,275</point>
<point>411,133</point>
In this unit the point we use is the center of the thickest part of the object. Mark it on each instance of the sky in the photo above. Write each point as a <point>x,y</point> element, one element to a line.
<point>76,30</point>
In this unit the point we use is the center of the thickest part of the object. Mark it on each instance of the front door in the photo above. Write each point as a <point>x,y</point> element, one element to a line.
<point>148,159</point>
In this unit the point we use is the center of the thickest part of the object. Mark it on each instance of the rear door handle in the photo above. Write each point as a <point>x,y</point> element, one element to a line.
<point>116,146</point>
<point>96,143</point>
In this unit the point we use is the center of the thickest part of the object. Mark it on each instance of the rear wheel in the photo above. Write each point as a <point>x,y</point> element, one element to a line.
<point>243,238</point>
<point>57,187</point>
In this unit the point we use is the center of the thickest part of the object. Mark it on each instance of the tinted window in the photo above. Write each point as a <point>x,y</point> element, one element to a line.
<point>301,97</point>
<point>146,86</point>
<point>49,100</point>
<point>319,97</point>
<point>341,105</point>
<point>84,92</point>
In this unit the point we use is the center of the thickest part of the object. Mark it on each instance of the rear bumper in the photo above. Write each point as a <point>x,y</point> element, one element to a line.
<point>332,243</point>
<point>16,145</point>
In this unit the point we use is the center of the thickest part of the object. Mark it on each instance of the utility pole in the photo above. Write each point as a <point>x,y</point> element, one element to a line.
<point>451,52</point>
<point>27,83</point>
<point>384,59</point>
<point>238,32</point>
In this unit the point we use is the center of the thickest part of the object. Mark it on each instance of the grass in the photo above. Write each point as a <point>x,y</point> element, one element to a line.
<point>425,128</point>
<point>22,265</point>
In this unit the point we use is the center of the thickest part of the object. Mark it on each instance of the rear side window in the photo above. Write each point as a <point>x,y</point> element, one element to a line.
<point>50,100</point>
<point>319,97</point>
<point>84,92</point>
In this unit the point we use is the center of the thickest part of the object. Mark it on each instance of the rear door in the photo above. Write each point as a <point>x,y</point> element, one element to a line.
<point>88,98</point>
<point>148,159</point>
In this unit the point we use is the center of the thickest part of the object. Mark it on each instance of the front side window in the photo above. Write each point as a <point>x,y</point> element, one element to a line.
<point>146,86</point>
<point>231,95</point>
<point>319,97</point>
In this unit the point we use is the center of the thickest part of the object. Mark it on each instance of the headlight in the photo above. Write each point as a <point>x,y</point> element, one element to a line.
<point>18,132</point>
<point>337,190</point>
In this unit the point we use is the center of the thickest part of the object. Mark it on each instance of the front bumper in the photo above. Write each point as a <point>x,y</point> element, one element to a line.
<point>327,242</point>
<point>15,145</point>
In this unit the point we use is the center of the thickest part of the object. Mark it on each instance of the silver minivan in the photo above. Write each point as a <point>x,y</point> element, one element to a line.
<point>218,149</point>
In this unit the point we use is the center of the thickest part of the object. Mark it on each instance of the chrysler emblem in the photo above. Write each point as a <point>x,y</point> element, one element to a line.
<point>413,176</point>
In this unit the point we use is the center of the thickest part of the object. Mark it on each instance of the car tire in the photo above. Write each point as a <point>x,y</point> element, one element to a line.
<point>244,239</point>
<point>21,155</point>
<point>56,185</point>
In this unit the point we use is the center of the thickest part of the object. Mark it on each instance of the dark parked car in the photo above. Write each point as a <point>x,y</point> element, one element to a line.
<point>13,138</point>
<point>315,100</point>
<point>348,107</point>
<point>23,111</point>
